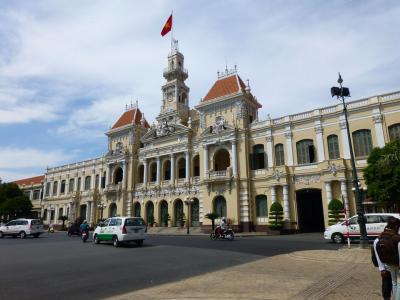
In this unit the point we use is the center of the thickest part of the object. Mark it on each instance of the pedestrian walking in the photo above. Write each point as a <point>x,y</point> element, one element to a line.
<point>386,248</point>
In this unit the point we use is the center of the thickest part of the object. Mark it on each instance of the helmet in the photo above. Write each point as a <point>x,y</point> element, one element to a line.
<point>85,222</point>
<point>224,219</point>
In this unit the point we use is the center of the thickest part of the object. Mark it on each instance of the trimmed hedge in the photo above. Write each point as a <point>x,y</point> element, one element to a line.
<point>335,211</point>
<point>276,216</point>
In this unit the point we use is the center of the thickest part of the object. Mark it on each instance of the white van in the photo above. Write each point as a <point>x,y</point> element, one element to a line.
<point>22,228</point>
<point>375,223</point>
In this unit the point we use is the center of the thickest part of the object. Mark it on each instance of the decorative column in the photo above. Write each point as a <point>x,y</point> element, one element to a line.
<point>187,166</point>
<point>270,152</point>
<point>158,170</point>
<point>41,212</point>
<point>205,161</point>
<point>69,211</point>
<point>44,189</point>
<point>234,159</point>
<point>328,189</point>
<point>59,187</point>
<point>31,195</point>
<point>145,172</point>
<point>48,214</point>
<point>343,189</point>
<point>124,175</point>
<point>286,209</point>
<point>56,214</point>
<point>92,180</point>
<point>87,211</point>
<point>82,187</point>
<point>172,169</point>
<point>378,128</point>
<point>289,148</point>
<point>75,184</point>
<point>92,217</point>
<point>320,141</point>
<point>345,140</point>
<point>273,194</point>
<point>107,175</point>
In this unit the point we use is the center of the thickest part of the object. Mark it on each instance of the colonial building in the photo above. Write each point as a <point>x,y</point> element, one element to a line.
<point>33,189</point>
<point>220,157</point>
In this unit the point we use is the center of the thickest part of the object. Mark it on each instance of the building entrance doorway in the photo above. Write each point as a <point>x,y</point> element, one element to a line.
<point>310,213</point>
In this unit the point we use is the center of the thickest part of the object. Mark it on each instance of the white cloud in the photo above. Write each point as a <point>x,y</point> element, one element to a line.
<point>14,157</point>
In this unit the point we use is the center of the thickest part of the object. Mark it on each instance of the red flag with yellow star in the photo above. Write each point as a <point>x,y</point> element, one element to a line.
<point>167,27</point>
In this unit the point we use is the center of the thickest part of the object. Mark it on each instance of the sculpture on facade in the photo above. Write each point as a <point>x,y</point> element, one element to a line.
<point>163,128</point>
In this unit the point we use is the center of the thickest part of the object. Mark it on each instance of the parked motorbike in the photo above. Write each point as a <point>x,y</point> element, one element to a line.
<point>84,236</point>
<point>224,235</point>
<point>50,229</point>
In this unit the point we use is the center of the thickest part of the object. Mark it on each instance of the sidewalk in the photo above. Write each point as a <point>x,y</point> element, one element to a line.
<point>304,275</point>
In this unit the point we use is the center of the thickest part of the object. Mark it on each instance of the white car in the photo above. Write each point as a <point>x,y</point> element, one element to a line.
<point>22,228</point>
<point>121,230</point>
<point>375,223</point>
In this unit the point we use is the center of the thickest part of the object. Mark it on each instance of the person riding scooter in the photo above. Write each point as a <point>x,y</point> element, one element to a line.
<point>84,227</point>
<point>220,230</point>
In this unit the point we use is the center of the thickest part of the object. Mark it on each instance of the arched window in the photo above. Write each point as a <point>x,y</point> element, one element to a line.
<point>153,172</point>
<point>257,158</point>
<point>196,166</point>
<point>71,185</point>
<point>394,132</point>
<point>103,180</point>
<point>87,182</point>
<point>55,187</point>
<point>182,168</point>
<point>119,175</point>
<point>305,152</point>
<point>136,209</point>
<point>221,160</point>
<point>62,187</point>
<point>149,212</point>
<point>113,210</point>
<point>362,142</point>
<point>141,174</point>
<point>220,206</point>
<point>47,188</point>
<point>261,206</point>
<point>79,184</point>
<point>333,146</point>
<point>167,170</point>
<point>279,155</point>
<point>96,183</point>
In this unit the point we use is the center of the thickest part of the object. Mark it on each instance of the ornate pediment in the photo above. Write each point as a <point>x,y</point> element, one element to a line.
<point>164,129</point>
<point>219,127</point>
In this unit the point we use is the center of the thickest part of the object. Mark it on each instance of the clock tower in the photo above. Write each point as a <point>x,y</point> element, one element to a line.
<point>175,107</point>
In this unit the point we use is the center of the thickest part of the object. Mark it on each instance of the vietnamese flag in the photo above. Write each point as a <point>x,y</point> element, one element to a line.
<point>167,27</point>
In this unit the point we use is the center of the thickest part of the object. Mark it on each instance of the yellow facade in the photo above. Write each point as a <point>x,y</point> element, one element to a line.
<point>219,157</point>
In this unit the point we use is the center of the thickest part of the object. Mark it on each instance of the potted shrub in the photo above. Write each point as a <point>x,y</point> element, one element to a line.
<point>335,211</point>
<point>212,217</point>
<point>276,216</point>
<point>166,219</point>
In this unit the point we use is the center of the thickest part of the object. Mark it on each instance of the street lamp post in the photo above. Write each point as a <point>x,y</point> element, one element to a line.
<point>342,92</point>
<point>101,206</point>
<point>188,202</point>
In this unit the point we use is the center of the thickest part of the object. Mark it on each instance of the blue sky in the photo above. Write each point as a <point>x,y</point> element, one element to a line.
<point>67,68</point>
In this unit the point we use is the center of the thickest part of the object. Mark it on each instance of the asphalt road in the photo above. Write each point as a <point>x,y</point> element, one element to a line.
<point>58,267</point>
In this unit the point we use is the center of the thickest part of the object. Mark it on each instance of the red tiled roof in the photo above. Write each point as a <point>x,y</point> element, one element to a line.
<point>225,86</point>
<point>129,117</point>
<point>31,180</point>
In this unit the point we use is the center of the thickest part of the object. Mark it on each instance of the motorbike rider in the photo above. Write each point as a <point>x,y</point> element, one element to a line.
<point>84,227</point>
<point>223,226</point>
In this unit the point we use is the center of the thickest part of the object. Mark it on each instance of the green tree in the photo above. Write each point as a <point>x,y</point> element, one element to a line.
<point>276,216</point>
<point>335,211</point>
<point>212,217</point>
<point>13,202</point>
<point>382,175</point>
